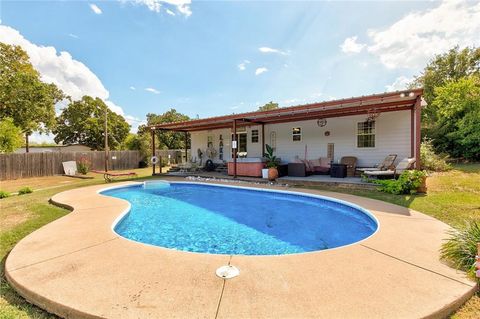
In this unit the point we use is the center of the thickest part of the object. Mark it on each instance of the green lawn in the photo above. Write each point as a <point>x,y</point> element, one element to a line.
<point>452,197</point>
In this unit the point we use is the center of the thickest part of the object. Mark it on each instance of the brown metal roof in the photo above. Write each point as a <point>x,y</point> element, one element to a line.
<point>384,102</point>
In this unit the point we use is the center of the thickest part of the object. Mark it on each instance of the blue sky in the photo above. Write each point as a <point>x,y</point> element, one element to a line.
<point>218,57</point>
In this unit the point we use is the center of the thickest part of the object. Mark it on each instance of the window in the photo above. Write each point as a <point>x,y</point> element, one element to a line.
<point>254,136</point>
<point>366,134</point>
<point>297,134</point>
<point>209,141</point>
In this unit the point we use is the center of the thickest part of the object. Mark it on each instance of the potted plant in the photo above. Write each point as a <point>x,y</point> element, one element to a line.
<point>271,163</point>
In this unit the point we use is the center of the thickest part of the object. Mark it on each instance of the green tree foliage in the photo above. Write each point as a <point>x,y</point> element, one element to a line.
<point>457,129</point>
<point>450,66</point>
<point>166,139</point>
<point>23,96</point>
<point>269,106</point>
<point>138,142</point>
<point>10,136</point>
<point>83,122</point>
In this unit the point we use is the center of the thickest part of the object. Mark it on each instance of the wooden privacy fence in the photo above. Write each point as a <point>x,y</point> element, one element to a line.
<point>13,166</point>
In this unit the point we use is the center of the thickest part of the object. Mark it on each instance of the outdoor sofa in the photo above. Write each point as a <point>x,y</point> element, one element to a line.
<point>302,168</point>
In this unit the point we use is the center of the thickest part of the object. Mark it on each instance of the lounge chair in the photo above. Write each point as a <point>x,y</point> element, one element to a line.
<point>351,162</point>
<point>109,176</point>
<point>403,165</point>
<point>388,163</point>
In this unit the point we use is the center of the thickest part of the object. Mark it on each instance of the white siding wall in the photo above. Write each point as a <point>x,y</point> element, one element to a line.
<point>392,137</point>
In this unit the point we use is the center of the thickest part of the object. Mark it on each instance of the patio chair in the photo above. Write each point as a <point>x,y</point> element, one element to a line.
<point>388,163</point>
<point>403,165</point>
<point>351,162</point>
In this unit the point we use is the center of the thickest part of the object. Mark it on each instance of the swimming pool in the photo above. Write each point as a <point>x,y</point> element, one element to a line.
<point>217,219</point>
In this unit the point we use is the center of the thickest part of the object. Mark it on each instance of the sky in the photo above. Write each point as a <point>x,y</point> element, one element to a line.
<point>207,58</point>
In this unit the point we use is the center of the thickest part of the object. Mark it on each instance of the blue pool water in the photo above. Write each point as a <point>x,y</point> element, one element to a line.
<point>231,220</point>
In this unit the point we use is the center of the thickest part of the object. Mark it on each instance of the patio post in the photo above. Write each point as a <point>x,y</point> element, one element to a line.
<point>418,137</point>
<point>186,147</point>
<point>153,149</point>
<point>234,143</point>
<point>412,132</point>
<point>263,139</point>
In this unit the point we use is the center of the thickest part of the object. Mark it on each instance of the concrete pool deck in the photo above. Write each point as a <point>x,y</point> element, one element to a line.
<point>77,267</point>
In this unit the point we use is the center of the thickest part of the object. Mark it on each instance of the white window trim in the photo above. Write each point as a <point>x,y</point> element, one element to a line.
<point>301,133</point>
<point>374,137</point>
<point>258,136</point>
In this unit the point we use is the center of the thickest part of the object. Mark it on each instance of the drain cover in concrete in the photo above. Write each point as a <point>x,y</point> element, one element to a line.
<point>227,272</point>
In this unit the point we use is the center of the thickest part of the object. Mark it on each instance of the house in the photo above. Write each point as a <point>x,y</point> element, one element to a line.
<point>55,148</point>
<point>367,127</point>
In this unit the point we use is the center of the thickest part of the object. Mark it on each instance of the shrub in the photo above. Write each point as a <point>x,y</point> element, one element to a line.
<point>407,183</point>
<point>460,249</point>
<point>431,161</point>
<point>83,166</point>
<point>4,194</point>
<point>25,190</point>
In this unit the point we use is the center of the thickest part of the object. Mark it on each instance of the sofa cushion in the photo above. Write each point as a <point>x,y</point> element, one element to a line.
<point>308,167</point>
<point>315,162</point>
<point>324,161</point>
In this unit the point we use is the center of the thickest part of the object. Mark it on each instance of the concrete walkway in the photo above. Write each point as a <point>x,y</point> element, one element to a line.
<point>77,267</point>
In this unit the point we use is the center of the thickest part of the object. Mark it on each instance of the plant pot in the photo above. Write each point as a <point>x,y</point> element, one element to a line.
<point>272,174</point>
<point>265,173</point>
<point>423,186</point>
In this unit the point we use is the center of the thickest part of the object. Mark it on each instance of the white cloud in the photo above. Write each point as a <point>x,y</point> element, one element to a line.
<point>242,66</point>
<point>272,50</point>
<point>70,75</point>
<point>152,90</point>
<point>95,8</point>
<point>133,88</point>
<point>71,35</point>
<point>259,71</point>
<point>73,77</point>
<point>182,6</point>
<point>400,83</point>
<point>417,37</point>
<point>134,122</point>
<point>350,45</point>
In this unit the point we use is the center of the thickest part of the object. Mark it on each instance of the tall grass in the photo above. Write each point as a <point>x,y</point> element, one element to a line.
<point>461,248</point>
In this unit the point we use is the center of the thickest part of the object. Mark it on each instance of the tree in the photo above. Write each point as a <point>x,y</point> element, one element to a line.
<point>83,121</point>
<point>457,129</point>
<point>28,101</point>
<point>269,106</point>
<point>443,68</point>
<point>167,139</point>
<point>138,142</point>
<point>10,136</point>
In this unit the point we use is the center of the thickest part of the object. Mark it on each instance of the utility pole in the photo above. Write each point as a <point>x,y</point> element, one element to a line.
<point>106,141</point>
